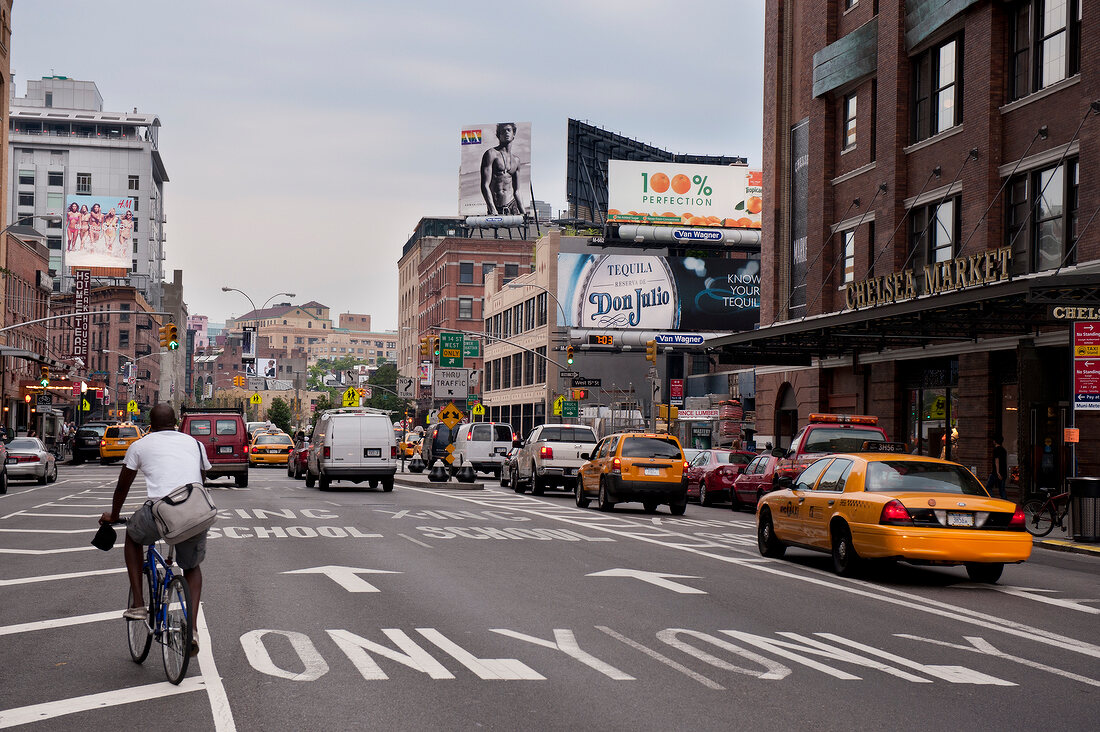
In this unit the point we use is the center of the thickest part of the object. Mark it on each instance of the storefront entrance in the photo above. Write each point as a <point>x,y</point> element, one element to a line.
<point>932,408</point>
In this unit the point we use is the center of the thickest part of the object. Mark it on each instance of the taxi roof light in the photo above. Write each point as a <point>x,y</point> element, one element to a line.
<point>844,418</point>
<point>895,514</point>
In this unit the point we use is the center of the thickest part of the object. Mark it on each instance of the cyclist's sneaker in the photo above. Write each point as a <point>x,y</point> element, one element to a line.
<point>194,647</point>
<point>136,613</point>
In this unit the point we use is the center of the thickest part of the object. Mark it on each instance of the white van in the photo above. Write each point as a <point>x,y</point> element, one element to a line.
<point>354,444</point>
<point>483,445</point>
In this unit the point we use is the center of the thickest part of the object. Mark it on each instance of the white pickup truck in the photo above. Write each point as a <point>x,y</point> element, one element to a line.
<point>551,456</point>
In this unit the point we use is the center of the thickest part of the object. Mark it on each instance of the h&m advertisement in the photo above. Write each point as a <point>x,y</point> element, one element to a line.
<point>621,291</point>
<point>494,174</point>
<point>682,194</point>
<point>99,232</point>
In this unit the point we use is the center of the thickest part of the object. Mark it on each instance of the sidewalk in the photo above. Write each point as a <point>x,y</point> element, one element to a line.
<point>1062,541</point>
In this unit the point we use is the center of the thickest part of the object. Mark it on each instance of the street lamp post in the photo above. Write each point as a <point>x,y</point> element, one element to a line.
<point>256,311</point>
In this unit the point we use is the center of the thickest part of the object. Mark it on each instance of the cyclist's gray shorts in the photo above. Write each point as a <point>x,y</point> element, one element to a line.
<point>143,529</point>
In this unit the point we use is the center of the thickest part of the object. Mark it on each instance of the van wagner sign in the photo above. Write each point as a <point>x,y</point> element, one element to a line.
<point>955,274</point>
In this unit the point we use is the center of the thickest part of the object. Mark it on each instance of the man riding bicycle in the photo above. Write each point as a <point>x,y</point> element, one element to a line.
<point>167,459</point>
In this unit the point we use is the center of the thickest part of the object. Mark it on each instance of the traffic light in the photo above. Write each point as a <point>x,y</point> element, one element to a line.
<point>44,377</point>
<point>163,332</point>
<point>238,381</point>
<point>569,355</point>
<point>579,394</point>
<point>173,336</point>
<point>435,345</point>
<point>651,351</point>
<point>425,346</point>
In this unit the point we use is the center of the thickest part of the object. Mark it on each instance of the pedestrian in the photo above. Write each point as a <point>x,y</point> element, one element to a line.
<point>168,459</point>
<point>999,476</point>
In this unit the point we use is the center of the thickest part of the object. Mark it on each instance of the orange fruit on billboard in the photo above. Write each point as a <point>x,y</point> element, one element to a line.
<point>659,182</point>
<point>754,204</point>
<point>681,183</point>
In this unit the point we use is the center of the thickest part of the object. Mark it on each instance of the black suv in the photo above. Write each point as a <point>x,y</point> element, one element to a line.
<point>86,440</point>
<point>435,442</point>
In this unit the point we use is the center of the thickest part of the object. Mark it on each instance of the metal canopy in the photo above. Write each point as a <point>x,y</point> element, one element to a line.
<point>1015,308</point>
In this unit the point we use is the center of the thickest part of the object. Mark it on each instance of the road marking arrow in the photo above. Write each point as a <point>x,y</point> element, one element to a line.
<point>346,577</point>
<point>653,578</point>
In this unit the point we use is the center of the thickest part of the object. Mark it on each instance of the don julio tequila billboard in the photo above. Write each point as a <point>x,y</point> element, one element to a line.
<point>621,291</point>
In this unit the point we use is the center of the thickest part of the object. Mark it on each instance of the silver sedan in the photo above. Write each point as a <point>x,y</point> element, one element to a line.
<point>29,458</point>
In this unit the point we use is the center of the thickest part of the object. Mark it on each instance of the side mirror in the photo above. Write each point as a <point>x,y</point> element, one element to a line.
<point>779,452</point>
<point>586,456</point>
<point>786,482</point>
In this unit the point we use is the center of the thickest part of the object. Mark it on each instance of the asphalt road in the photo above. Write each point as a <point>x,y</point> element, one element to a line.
<point>432,608</point>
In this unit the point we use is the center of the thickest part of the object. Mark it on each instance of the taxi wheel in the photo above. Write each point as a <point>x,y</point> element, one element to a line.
<point>603,502</point>
<point>984,572</point>
<point>582,500</point>
<point>650,506</point>
<point>678,509</point>
<point>845,558</point>
<point>766,541</point>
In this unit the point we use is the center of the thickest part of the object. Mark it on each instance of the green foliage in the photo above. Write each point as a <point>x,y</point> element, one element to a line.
<point>279,414</point>
<point>384,398</point>
<point>323,402</point>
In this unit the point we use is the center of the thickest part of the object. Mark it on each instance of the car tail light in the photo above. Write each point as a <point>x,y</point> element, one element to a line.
<point>617,466</point>
<point>686,465</point>
<point>1017,520</point>
<point>546,452</point>
<point>895,514</point>
<point>246,449</point>
<point>35,459</point>
<point>514,437</point>
<point>327,452</point>
<point>393,451</point>
<point>102,442</point>
<point>469,435</point>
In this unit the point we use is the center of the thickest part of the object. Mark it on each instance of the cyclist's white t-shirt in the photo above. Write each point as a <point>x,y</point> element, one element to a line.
<point>167,459</point>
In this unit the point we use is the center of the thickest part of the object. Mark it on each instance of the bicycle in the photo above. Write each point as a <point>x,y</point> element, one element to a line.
<point>1040,514</point>
<point>169,621</point>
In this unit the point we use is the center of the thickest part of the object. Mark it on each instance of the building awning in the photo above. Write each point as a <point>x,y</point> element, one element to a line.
<point>1018,307</point>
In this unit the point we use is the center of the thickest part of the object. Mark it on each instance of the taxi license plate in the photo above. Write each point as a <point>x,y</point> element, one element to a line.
<point>960,519</point>
<point>223,449</point>
<point>372,452</point>
<point>652,471</point>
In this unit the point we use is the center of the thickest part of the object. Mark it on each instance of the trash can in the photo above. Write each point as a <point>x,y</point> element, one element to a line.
<point>1084,501</point>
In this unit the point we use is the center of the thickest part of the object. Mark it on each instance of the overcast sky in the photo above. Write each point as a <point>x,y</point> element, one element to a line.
<point>304,140</point>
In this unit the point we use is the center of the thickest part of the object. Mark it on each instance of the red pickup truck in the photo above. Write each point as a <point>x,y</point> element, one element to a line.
<point>824,435</point>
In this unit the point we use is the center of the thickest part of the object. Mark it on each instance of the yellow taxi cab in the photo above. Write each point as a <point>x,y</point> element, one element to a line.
<point>116,440</point>
<point>270,448</point>
<point>634,466</point>
<point>890,505</point>
<point>410,445</point>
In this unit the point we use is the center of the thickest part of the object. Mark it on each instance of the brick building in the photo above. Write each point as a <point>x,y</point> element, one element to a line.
<point>931,173</point>
<point>27,298</point>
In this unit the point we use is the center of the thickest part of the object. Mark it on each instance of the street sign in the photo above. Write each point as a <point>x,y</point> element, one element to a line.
<point>558,403</point>
<point>582,381</point>
<point>568,374</point>
<point>472,400</point>
<point>85,406</point>
<point>676,391</point>
<point>450,383</point>
<point>450,349</point>
<point>450,415</point>
<point>351,397</point>
<point>132,407</point>
<point>678,339</point>
<point>1086,365</point>
<point>471,348</point>
<point>569,408</point>
<point>478,410</point>
<point>405,387</point>
<point>255,399</point>
<point>76,390</point>
<point>698,414</point>
<point>43,400</point>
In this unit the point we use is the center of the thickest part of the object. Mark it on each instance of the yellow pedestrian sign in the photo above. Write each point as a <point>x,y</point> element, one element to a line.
<point>85,405</point>
<point>450,415</point>
<point>558,404</point>
<point>132,407</point>
<point>478,410</point>
<point>255,399</point>
<point>351,397</point>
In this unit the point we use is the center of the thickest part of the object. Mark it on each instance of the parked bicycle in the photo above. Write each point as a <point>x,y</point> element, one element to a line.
<point>169,621</point>
<point>1041,514</point>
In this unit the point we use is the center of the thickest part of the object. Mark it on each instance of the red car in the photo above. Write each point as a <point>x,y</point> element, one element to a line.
<point>756,479</point>
<point>711,474</point>
<point>297,460</point>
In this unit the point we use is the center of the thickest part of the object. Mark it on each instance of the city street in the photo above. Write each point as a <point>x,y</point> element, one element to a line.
<point>442,608</point>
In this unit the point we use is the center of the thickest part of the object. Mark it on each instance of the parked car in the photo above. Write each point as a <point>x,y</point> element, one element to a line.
<point>825,434</point>
<point>711,474</point>
<point>354,443</point>
<point>634,466</point>
<point>297,461</point>
<point>893,506</point>
<point>551,456</point>
<point>409,444</point>
<point>221,430</point>
<point>3,468</point>
<point>27,457</point>
<point>508,468</point>
<point>86,440</point>
<point>434,445</point>
<point>269,448</point>
<point>754,480</point>
<point>116,441</point>
<point>483,445</point>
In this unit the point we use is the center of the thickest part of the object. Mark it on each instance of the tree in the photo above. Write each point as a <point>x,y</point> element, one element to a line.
<point>323,403</point>
<point>279,414</point>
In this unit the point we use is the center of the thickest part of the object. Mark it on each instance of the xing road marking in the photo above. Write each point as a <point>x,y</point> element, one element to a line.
<point>653,578</point>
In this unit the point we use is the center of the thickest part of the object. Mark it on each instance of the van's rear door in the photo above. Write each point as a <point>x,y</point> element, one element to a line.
<point>375,435</point>
<point>344,441</point>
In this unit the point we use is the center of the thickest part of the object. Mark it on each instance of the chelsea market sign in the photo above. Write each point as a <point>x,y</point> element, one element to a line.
<point>955,274</point>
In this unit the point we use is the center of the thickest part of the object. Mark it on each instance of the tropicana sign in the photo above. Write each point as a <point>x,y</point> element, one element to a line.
<point>955,274</point>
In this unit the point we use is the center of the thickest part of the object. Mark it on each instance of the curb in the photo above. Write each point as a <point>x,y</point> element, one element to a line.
<point>453,485</point>
<point>1062,545</point>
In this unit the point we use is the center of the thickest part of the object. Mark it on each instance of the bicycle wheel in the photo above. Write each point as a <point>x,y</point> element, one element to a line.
<point>176,634</point>
<point>139,634</point>
<point>1038,517</point>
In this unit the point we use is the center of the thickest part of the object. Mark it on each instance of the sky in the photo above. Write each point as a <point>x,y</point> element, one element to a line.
<point>304,140</point>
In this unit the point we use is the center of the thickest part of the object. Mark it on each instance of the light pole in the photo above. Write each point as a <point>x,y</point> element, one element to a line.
<point>256,310</point>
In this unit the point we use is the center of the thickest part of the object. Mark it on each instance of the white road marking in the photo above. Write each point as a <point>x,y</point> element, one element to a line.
<point>346,577</point>
<point>980,645</point>
<point>415,541</point>
<point>566,642</point>
<point>60,622</point>
<point>219,700</point>
<point>1031,593</point>
<point>653,578</point>
<point>41,552</point>
<point>48,531</point>
<point>54,577</point>
<point>51,710</point>
<point>486,669</point>
<point>662,658</point>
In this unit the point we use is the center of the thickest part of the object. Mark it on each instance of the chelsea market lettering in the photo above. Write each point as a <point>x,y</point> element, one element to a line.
<point>938,278</point>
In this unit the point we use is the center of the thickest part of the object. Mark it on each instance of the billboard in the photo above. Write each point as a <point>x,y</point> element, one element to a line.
<point>644,292</point>
<point>268,368</point>
<point>494,173</point>
<point>683,195</point>
<point>99,232</point>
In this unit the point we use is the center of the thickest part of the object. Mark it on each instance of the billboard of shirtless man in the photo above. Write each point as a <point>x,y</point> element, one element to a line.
<point>495,170</point>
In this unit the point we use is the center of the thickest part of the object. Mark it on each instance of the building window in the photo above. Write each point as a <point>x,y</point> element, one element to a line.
<point>937,101</point>
<point>849,4</point>
<point>540,305</point>
<point>486,268</point>
<point>54,243</point>
<point>55,178</point>
<point>848,238</point>
<point>465,273</point>
<point>517,318</point>
<point>26,199</point>
<point>540,365</point>
<point>83,182</point>
<point>529,315</point>
<point>849,122</point>
<point>123,338</point>
<point>528,368</point>
<point>517,369</point>
<point>1051,197</point>
<point>506,373</point>
<point>49,99</point>
<point>124,317</point>
<point>465,308</point>
<point>1046,40</point>
<point>511,271</point>
<point>26,177</point>
<point>933,232</point>
<point>506,324</point>
<point>133,183</point>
